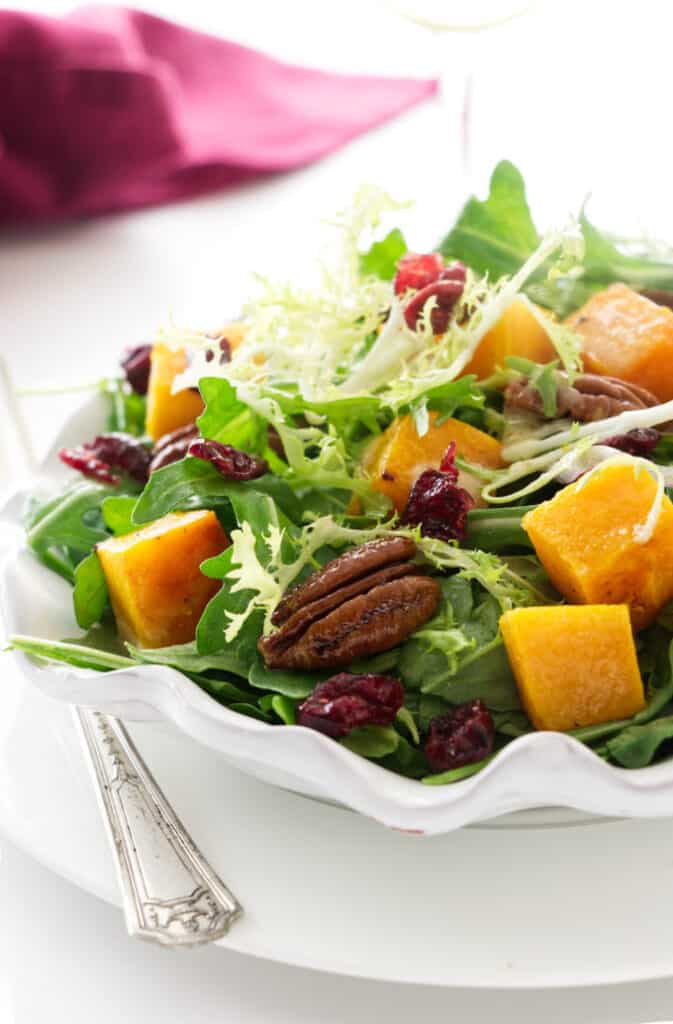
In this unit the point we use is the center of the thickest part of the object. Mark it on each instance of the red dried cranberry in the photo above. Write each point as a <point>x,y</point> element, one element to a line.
<point>455,271</point>
<point>446,295</point>
<point>439,506</point>
<point>97,458</point>
<point>462,736</point>
<point>229,462</point>
<point>136,366</point>
<point>416,270</point>
<point>448,464</point>
<point>86,463</point>
<point>641,441</point>
<point>346,701</point>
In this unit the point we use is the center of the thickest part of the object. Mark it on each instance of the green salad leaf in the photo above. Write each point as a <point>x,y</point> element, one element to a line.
<point>90,595</point>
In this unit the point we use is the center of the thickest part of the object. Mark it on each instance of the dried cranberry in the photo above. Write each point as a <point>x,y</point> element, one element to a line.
<point>416,270</point>
<point>346,701</point>
<point>224,346</point>
<point>641,441</point>
<point>448,464</point>
<point>455,271</point>
<point>97,458</point>
<point>446,295</point>
<point>439,506</point>
<point>229,462</point>
<point>136,366</point>
<point>86,463</point>
<point>462,736</point>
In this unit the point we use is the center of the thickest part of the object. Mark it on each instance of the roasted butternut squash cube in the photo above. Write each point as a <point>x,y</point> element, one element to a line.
<point>156,588</point>
<point>396,459</point>
<point>517,333</point>
<point>626,335</point>
<point>574,666</point>
<point>167,411</point>
<point>586,538</point>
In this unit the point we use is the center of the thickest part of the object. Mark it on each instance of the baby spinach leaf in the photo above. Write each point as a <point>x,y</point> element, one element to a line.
<point>459,654</point>
<point>281,681</point>
<point>187,658</point>
<point>90,596</point>
<point>405,718</point>
<point>406,760</point>
<point>636,745</point>
<point>284,707</point>
<point>372,740</point>
<point>251,710</point>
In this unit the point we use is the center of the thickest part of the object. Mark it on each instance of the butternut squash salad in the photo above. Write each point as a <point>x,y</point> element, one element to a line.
<point>420,506</point>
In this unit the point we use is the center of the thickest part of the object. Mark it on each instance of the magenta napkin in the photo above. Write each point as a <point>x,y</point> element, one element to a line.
<point>110,108</point>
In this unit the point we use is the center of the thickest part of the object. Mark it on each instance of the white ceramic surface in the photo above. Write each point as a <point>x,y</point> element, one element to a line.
<point>542,769</point>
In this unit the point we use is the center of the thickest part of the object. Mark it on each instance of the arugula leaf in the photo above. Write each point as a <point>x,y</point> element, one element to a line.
<point>90,596</point>
<point>128,410</point>
<point>228,420</point>
<point>382,257</point>
<point>495,236</point>
<point>636,745</point>
<point>64,529</point>
<point>193,483</point>
<point>117,513</point>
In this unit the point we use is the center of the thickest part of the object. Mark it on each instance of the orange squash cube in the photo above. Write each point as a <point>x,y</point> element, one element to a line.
<point>574,666</point>
<point>157,590</point>
<point>626,335</point>
<point>517,333</point>
<point>396,459</point>
<point>167,411</point>
<point>584,537</point>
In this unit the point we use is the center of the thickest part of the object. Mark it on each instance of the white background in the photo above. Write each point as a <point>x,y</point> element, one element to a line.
<point>579,96</point>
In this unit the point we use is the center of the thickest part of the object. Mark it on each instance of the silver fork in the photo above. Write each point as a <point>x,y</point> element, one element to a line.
<point>171,894</point>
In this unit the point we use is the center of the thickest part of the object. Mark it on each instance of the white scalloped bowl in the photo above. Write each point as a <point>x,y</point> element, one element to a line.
<point>539,770</point>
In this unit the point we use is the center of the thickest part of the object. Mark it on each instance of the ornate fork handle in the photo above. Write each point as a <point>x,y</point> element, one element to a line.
<point>171,894</point>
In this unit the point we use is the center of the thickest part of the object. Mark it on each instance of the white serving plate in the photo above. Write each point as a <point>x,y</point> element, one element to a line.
<point>542,769</point>
<point>514,904</point>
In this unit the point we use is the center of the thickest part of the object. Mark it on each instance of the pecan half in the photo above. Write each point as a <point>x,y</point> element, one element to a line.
<point>590,397</point>
<point>362,603</point>
<point>352,565</point>
<point>172,447</point>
